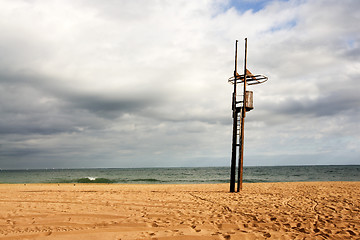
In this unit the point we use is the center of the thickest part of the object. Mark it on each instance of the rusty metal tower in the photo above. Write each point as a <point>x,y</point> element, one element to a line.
<point>239,109</point>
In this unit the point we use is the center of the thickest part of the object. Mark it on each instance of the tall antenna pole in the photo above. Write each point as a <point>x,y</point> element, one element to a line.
<point>234,139</point>
<point>241,155</point>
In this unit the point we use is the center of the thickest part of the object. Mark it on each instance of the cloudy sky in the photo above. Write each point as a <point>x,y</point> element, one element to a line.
<point>142,83</point>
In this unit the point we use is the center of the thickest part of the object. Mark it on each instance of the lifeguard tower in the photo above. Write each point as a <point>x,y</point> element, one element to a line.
<point>239,109</point>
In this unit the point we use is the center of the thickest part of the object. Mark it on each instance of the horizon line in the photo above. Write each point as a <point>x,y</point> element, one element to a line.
<point>83,168</point>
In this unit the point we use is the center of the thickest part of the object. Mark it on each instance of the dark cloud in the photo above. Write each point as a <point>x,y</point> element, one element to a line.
<point>110,107</point>
<point>31,104</point>
<point>334,104</point>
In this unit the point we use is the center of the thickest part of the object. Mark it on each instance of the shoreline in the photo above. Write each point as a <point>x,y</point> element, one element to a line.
<point>165,184</point>
<point>201,183</point>
<point>280,210</point>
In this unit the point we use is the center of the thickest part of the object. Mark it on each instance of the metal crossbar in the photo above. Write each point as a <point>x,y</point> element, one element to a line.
<point>250,79</point>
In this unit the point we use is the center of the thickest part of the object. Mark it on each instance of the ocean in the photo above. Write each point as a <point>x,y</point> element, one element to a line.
<point>182,175</point>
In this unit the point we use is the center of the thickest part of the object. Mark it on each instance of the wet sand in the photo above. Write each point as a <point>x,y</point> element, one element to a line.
<point>321,210</point>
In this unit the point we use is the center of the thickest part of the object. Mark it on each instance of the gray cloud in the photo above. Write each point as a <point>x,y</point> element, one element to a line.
<point>140,84</point>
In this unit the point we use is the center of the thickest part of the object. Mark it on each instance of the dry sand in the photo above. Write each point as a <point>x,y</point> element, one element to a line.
<point>323,210</point>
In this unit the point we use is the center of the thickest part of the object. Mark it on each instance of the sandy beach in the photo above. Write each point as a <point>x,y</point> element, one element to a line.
<point>321,210</point>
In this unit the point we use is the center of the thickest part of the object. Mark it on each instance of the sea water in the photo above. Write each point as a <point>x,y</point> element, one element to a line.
<point>182,175</point>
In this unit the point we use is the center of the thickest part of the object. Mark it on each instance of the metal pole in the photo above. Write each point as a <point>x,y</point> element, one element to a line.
<point>234,142</point>
<point>241,156</point>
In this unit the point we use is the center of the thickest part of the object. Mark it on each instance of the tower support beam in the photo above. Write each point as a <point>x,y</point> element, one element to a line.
<point>243,113</point>
<point>234,139</point>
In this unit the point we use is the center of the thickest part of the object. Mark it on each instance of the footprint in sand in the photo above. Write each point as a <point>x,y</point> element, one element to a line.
<point>46,233</point>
